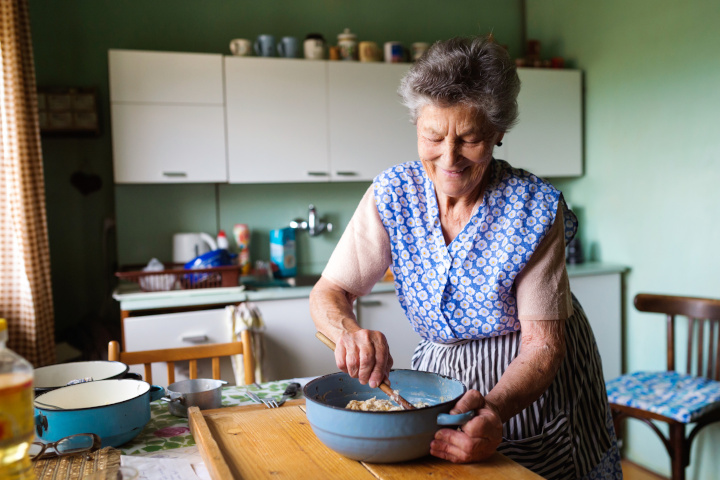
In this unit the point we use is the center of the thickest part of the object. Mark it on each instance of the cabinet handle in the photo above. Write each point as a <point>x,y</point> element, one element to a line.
<point>175,174</point>
<point>370,303</point>
<point>195,339</point>
<point>346,174</point>
<point>317,174</point>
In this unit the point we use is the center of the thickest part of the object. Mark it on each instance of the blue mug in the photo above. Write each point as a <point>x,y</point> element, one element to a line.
<point>289,47</point>
<point>265,46</point>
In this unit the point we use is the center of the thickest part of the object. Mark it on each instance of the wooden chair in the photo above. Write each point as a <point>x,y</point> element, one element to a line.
<point>193,354</point>
<point>677,399</point>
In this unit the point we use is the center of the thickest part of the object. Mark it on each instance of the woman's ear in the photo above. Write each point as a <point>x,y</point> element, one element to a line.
<point>498,142</point>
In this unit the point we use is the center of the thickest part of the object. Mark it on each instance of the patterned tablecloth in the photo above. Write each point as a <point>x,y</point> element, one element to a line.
<point>165,430</point>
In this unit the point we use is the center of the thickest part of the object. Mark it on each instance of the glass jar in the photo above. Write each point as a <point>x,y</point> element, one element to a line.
<point>16,412</point>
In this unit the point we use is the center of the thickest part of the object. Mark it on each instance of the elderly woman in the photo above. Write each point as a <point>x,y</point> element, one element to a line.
<point>477,249</point>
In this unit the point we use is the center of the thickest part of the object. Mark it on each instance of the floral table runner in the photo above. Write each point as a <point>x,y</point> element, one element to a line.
<point>165,430</point>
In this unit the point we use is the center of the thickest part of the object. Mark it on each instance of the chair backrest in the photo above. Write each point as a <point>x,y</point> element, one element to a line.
<point>192,354</point>
<point>703,352</point>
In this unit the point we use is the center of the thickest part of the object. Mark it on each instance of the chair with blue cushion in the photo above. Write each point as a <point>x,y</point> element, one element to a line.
<point>677,399</point>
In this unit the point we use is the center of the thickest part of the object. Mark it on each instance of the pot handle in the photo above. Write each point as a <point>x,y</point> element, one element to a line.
<point>447,420</point>
<point>156,392</point>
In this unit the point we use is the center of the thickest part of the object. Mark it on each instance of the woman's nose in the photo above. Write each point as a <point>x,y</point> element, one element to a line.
<point>449,152</point>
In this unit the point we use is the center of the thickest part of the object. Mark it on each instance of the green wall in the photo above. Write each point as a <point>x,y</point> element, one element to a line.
<point>652,160</point>
<point>71,39</point>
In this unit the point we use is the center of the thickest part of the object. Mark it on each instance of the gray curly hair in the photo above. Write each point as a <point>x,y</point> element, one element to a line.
<point>472,71</point>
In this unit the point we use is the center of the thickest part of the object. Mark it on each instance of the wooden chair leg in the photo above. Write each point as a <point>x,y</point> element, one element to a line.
<point>617,424</point>
<point>677,444</point>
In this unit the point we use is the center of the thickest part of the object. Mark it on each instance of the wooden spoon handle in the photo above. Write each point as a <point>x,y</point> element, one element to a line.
<point>385,386</point>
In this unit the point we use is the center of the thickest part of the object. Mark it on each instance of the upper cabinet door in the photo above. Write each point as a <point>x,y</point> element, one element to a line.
<point>165,77</point>
<point>168,117</point>
<point>370,129</point>
<point>547,141</point>
<point>276,120</point>
<point>169,143</point>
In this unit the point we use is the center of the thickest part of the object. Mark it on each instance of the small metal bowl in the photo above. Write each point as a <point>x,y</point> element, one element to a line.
<point>204,393</point>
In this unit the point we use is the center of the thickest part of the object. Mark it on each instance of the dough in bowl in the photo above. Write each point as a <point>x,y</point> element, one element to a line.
<point>375,405</point>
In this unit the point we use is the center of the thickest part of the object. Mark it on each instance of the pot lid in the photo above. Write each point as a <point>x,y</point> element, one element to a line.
<point>59,375</point>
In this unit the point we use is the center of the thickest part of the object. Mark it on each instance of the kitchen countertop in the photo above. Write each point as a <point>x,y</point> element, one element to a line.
<point>132,298</point>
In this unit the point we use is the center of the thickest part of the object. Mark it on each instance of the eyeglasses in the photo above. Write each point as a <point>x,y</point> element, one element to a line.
<point>79,443</point>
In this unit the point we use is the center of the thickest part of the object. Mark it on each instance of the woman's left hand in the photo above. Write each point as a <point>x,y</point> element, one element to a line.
<point>476,440</point>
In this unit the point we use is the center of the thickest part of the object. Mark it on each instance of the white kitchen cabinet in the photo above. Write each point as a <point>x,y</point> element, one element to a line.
<point>299,121</point>
<point>173,330</point>
<point>382,311</point>
<point>291,348</point>
<point>370,129</point>
<point>276,120</point>
<point>601,297</point>
<point>547,140</point>
<point>168,117</point>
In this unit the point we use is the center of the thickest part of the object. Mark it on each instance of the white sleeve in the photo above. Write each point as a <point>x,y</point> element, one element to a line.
<point>362,255</point>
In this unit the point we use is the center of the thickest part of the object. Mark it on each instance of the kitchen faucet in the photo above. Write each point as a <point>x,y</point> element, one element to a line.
<point>314,225</point>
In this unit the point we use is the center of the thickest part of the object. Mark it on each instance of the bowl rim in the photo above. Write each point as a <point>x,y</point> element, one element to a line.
<point>335,374</point>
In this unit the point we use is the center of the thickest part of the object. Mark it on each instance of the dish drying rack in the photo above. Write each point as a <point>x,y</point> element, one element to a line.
<point>176,277</point>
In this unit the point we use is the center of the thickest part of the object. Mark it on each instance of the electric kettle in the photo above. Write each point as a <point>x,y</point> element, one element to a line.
<point>187,246</point>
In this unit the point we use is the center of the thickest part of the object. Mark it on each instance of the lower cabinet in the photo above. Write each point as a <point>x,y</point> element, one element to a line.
<point>173,330</point>
<point>601,297</point>
<point>291,348</point>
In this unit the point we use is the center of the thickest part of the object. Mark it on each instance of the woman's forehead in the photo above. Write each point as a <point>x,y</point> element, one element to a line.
<point>459,117</point>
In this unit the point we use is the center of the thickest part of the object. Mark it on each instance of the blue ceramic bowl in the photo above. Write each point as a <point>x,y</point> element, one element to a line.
<point>214,258</point>
<point>382,437</point>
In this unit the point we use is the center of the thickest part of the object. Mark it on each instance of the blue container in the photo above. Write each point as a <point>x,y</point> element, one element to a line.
<point>282,252</point>
<point>115,410</point>
<point>382,437</point>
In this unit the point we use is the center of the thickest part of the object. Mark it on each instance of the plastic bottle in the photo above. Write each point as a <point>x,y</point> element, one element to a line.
<point>16,412</point>
<point>222,241</point>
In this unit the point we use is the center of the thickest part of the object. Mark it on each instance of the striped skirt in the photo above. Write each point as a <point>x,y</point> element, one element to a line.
<point>567,433</point>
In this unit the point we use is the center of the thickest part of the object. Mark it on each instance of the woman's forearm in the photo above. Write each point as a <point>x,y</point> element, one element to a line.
<point>331,309</point>
<point>529,375</point>
<point>360,352</point>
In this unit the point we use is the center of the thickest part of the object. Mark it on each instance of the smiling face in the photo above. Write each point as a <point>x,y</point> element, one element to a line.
<point>455,146</point>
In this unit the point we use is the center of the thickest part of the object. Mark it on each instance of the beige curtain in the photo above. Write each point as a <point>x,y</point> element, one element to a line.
<point>25,290</point>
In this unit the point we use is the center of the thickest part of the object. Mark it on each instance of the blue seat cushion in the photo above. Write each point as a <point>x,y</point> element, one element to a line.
<point>676,395</point>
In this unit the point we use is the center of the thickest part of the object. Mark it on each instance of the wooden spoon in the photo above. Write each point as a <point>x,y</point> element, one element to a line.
<point>385,386</point>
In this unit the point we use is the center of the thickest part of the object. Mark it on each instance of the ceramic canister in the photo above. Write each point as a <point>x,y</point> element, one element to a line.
<point>347,42</point>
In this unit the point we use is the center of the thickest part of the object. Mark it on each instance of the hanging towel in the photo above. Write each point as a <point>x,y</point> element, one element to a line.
<point>247,316</point>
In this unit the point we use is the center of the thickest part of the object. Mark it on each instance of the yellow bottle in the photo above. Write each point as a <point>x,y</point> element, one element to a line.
<point>16,412</point>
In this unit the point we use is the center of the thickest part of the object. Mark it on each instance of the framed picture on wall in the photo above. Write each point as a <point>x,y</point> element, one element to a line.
<point>68,111</point>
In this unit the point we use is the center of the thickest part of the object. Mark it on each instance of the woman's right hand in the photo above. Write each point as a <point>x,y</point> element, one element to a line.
<point>364,354</point>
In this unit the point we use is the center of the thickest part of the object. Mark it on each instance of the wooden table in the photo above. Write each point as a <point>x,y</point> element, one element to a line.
<point>255,442</point>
